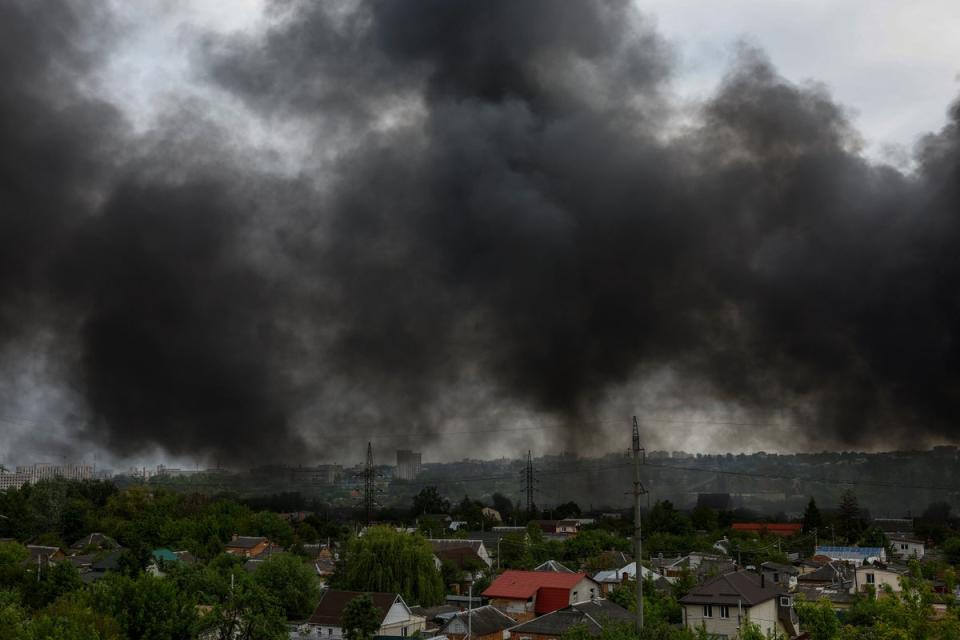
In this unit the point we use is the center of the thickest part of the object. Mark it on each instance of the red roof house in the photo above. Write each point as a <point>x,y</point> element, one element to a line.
<point>524,594</point>
<point>773,528</point>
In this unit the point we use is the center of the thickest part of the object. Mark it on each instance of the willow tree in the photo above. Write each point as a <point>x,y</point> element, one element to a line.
<point>386,560</point>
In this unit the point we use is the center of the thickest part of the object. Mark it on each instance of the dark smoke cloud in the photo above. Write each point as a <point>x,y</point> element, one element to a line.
<point>501,202</point>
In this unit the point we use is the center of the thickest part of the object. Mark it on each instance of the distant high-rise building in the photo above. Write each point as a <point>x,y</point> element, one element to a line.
<point>408,464</point>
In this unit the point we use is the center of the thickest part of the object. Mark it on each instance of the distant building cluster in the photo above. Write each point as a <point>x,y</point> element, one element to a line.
<point>31,474</point>
<point>408,464</point>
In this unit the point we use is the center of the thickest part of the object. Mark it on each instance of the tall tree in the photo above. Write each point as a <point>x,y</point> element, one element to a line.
<point>387,560</point>
<point>292,582</point>
<point>812,519</point>
<point>361,619</point>
<point>849,516</point>
<point>429,500</point>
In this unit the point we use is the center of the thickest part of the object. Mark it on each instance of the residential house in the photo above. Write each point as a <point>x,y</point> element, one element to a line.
<point>165,557</point>
<point>723,604</point>
<point>830,574</point>
<point>246,546</point>
<point>592,615</point>
<point>878,577</point>
<point>482,623</point>
<point>703,566</point>
<point>840,598</point>
<point>906,546</point>
<point>43,555</point>
<point>446,545</point>
<point>102,565</point>
<point>553,565</point>
<point>784,575</point>
<point>890,526</point>
<point>396,618</point>
<point>613,578</point>
<point>854,555</point>
<point>782,529</point>
<point>93,542</point>
<point>522,595</point>
<point>568,527</point>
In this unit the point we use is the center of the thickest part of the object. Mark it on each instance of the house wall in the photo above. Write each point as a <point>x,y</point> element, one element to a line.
<point>764,614</point>
<point>881,578</point>
<point>519,610</point>
<point>584,591</point>
<point>906,549</point>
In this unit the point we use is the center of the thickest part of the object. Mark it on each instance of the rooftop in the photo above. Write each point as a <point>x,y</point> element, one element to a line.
<point>731,588</point>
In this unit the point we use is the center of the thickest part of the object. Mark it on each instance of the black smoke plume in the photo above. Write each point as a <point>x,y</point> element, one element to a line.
<point>500,204</point>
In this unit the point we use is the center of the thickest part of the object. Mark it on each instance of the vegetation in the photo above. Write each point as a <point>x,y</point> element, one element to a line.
<point>384,559</point>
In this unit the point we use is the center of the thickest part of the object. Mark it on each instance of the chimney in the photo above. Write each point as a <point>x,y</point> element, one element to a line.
<point>763,580</point>
<point>235,536</point>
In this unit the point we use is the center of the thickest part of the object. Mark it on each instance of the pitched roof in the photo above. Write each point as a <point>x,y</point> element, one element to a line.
<point>593,615</point>
<point>844,553</point>
<point>329,610</point>
<point>165,555</point>
<point>245,542</point>
<point>445,544</point>
<point>96,540</point>
<point>731,588</point>
<point>827,573</point>
<point>458,556</point>
<point>482,620</point>
<point>553,565</point>
<point>517,585</point>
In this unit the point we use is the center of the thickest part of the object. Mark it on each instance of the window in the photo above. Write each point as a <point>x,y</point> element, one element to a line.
<point>904,547</point>
<point>776,577</point>
<point>575,596</point>
<point>871,579</point>
<point>724,611</point>
<point>708,611</point>
<point>785,601</point>
<point>329,631</point>
<point>404,632</point>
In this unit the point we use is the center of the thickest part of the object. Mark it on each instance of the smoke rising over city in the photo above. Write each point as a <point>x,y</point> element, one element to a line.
<point>452,216</point>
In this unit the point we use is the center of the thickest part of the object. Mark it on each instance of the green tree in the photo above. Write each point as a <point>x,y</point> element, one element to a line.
<point>146,607</point>
<point>503,505</point>
<point>951,550</point>
<point>361,619</point>
<point>818,619</point>
<point>849,516</point>
<point>248,612</point>
<point>429,500</point>
<point>70,618</point>
<point>812,521</point>
<point>384,559</point>
<point>292,582</point>
<point>664,518</point>
<point>704,519</point>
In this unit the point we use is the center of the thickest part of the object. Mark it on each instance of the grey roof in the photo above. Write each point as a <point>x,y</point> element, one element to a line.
<point>245,542</point>
<point>593,615</point>
<point>95,539</point>
<point>445,544</point>
<point>482,620</point>
<point>828,573</point>
<point>554,566</point>
<point>107,562</point>
<point>731,588</point>
<point>780,568</point>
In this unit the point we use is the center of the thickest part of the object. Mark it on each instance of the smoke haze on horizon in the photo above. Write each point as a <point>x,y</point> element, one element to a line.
<point>404,220</point>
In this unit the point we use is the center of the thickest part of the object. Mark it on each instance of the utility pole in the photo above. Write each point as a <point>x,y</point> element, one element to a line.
<point>638,490</point>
